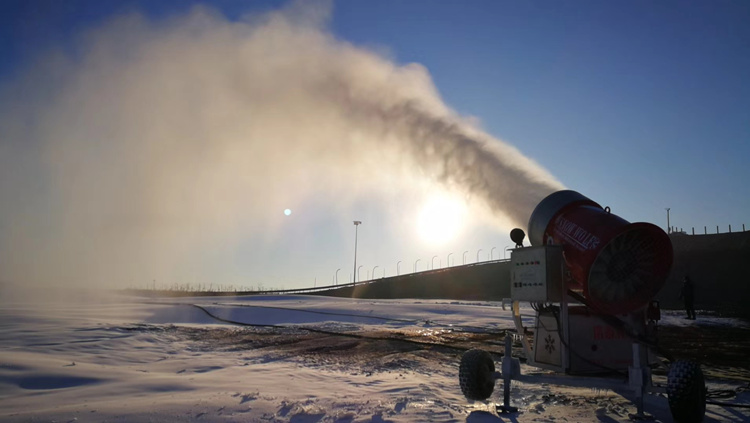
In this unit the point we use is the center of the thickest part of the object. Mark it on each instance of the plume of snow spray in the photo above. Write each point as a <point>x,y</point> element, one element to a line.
<point>158,140</point>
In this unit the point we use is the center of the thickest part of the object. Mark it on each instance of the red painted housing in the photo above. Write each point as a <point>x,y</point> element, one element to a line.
<point>619,266</point>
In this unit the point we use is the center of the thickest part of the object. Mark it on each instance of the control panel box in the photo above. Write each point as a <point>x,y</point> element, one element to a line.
<point>536,274</point>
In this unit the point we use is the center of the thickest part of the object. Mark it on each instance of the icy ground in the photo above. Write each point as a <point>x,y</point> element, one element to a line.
<point>123,359</point>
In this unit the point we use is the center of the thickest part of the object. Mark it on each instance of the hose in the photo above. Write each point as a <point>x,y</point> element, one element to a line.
<point>375,317</point>
<point>333,333</point>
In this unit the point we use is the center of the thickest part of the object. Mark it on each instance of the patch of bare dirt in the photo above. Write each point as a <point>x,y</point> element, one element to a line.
<point>723,351</point>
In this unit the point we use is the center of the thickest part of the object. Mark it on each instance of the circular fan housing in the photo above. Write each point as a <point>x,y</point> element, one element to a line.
<point>619,266</point>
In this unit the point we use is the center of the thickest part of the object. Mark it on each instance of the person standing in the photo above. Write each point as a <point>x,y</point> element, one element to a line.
<point>687,293</point>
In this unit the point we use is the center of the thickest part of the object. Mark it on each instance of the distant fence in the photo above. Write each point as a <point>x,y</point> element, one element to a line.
<point>181,291</point>
<point>676,230</point>
<point>189,291</point>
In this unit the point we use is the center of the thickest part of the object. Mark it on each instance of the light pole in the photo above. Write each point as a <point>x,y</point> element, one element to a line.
<point>433,262</point>
<point>415,265</point>
<point>357,273</point>
<point>668,227</point>
<point>492,256</point>
<point>507,247</point>
<point>373,271</point>
<point>478,254</point>
<point>448,260</point>
<point>398,268</point>
<point>465,252</point>
<point>337,277</point>
<point>356,225</point>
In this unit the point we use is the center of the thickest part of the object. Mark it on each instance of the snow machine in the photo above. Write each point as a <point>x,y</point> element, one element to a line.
<point>590,277</point>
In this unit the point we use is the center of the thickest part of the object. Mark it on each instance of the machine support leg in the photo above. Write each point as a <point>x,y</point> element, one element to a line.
<point>639,376</point>
<point>509,369</point>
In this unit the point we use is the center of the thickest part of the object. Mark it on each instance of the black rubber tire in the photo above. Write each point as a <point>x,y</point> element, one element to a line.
<point>686,390</point>
<point>476,375</point>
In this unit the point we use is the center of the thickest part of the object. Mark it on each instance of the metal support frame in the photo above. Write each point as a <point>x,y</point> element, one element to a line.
<point>564,322</point>
<point>639,381</point>
<point>521,331</point>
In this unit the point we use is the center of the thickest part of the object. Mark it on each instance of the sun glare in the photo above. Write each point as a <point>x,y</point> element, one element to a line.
<point>440,220</point>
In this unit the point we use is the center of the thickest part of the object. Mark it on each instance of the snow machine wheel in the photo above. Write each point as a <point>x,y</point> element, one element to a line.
<point>686,390</point>
<point>476,375</point>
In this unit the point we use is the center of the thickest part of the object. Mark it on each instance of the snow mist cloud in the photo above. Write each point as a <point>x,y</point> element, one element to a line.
<point>146,144</point>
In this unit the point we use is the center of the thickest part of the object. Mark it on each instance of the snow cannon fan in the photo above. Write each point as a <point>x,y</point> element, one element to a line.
<point>617,266</point>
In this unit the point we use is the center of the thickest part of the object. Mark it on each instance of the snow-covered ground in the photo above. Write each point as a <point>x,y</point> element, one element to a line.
<point>118,358</point>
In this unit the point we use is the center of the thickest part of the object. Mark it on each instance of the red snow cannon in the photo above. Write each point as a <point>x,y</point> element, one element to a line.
<point>618,266</point>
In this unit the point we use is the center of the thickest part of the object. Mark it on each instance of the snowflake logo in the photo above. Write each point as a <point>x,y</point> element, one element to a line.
<point>549,344</point>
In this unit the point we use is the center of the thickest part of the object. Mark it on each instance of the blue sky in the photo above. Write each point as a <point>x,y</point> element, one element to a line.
<point>638,105</point>
<point>642,105</point>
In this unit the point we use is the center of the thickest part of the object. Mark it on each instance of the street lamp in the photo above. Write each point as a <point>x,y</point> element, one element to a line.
<point>478,254</point>
<point>415,265</point>
<point>492,256</point>
<point>448,260</point>
<point>398,268</point>
<point>373,271</point>
<point>507,247</point>
<point>465,252</point>
<point>433,262</point>
<point>356,225</point>
<point>337,277</point>
<point>357,273</point>
<point>668,227</point>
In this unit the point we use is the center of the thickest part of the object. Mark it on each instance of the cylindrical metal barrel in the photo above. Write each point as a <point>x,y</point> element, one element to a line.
<point>619,266</point>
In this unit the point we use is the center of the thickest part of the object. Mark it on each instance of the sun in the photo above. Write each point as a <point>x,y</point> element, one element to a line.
<point>441,219</point>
